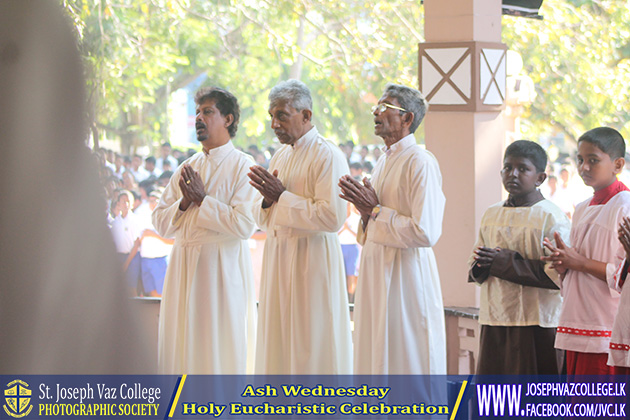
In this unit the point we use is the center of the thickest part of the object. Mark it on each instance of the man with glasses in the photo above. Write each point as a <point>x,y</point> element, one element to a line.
<point>303,317</point>
<point>399,316</point>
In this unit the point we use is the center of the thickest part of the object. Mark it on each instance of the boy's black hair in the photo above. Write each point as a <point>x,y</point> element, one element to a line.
<point>530,150</point>
<point>608,140</point>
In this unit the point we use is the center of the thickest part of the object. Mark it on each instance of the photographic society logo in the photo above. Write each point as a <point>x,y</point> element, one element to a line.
<point>18,399</point>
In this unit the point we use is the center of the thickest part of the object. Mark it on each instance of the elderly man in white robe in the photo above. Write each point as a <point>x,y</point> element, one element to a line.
<point>207,316</point>
<point>304,322</point>
<point>399,315</point>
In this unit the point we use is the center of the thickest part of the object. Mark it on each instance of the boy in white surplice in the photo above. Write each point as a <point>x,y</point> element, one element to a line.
<point>520,295</point>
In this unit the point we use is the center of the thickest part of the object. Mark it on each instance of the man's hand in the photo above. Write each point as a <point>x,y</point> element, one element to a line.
<point>267,184</point>
<point>362,196</point>
<point>484,256</point>
<point>192,187</point>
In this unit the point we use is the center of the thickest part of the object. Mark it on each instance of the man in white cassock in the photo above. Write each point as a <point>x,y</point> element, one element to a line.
<point>207,315</point>
<point>303,317</point>
<point>399,315</point>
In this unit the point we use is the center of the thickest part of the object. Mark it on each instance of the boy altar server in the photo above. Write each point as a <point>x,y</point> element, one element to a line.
<point>520,296</point>
<point>589,306</point>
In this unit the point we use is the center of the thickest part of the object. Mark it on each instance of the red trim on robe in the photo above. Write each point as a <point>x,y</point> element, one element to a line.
<point>588,333</point>
<point>623,347</point>
<point>604,195</point>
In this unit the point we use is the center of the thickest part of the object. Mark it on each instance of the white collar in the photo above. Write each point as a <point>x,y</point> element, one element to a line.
<point>401,144</point>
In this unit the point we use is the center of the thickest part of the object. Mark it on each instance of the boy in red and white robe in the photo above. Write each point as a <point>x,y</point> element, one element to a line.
<point>589,305</point>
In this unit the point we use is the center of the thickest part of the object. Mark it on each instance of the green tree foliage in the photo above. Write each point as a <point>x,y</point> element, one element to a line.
<point>138,51</point>
<point>578,57</point>
<point>129,56</point>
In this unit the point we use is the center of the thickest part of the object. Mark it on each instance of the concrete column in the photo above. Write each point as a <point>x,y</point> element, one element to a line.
<point>467,139</point>
<point>462,20</point>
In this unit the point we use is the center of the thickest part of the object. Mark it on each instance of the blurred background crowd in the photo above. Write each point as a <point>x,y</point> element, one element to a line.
<point>132,186</point>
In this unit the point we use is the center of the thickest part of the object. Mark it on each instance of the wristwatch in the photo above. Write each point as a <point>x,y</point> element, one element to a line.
<point>375,211</point>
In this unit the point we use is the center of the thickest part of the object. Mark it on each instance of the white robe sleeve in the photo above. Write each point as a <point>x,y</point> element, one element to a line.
<point>234,218</point>
<point>615,282</point>
<point>261,216</point>
<point>423,227</point>
<point>613,274</point>
<point>325,211</point>
<point>167,216</point>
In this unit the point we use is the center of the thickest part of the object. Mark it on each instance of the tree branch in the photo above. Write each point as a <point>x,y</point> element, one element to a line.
<point>407,25</point>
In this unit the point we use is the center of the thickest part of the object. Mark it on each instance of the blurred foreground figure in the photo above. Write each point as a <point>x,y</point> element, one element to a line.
<point>62,302</point>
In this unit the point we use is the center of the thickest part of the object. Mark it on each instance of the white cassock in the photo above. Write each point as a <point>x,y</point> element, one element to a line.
<point>399,315</point>
<point>304,322</point>
<point>207,315</point>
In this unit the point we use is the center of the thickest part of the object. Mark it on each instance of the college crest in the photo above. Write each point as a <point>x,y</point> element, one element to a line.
<point>17,396</point>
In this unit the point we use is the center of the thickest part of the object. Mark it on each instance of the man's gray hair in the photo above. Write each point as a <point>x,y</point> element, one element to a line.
<point>294,93</point>
<point>410,99</point>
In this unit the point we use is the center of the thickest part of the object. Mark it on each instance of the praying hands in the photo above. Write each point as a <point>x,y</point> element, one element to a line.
<point>267,184</point>
<point>564,258</point>
<point>192,188</point>
<point>362,196</point>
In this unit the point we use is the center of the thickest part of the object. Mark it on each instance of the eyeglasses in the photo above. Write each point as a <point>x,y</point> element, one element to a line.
<point>382,107</point>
